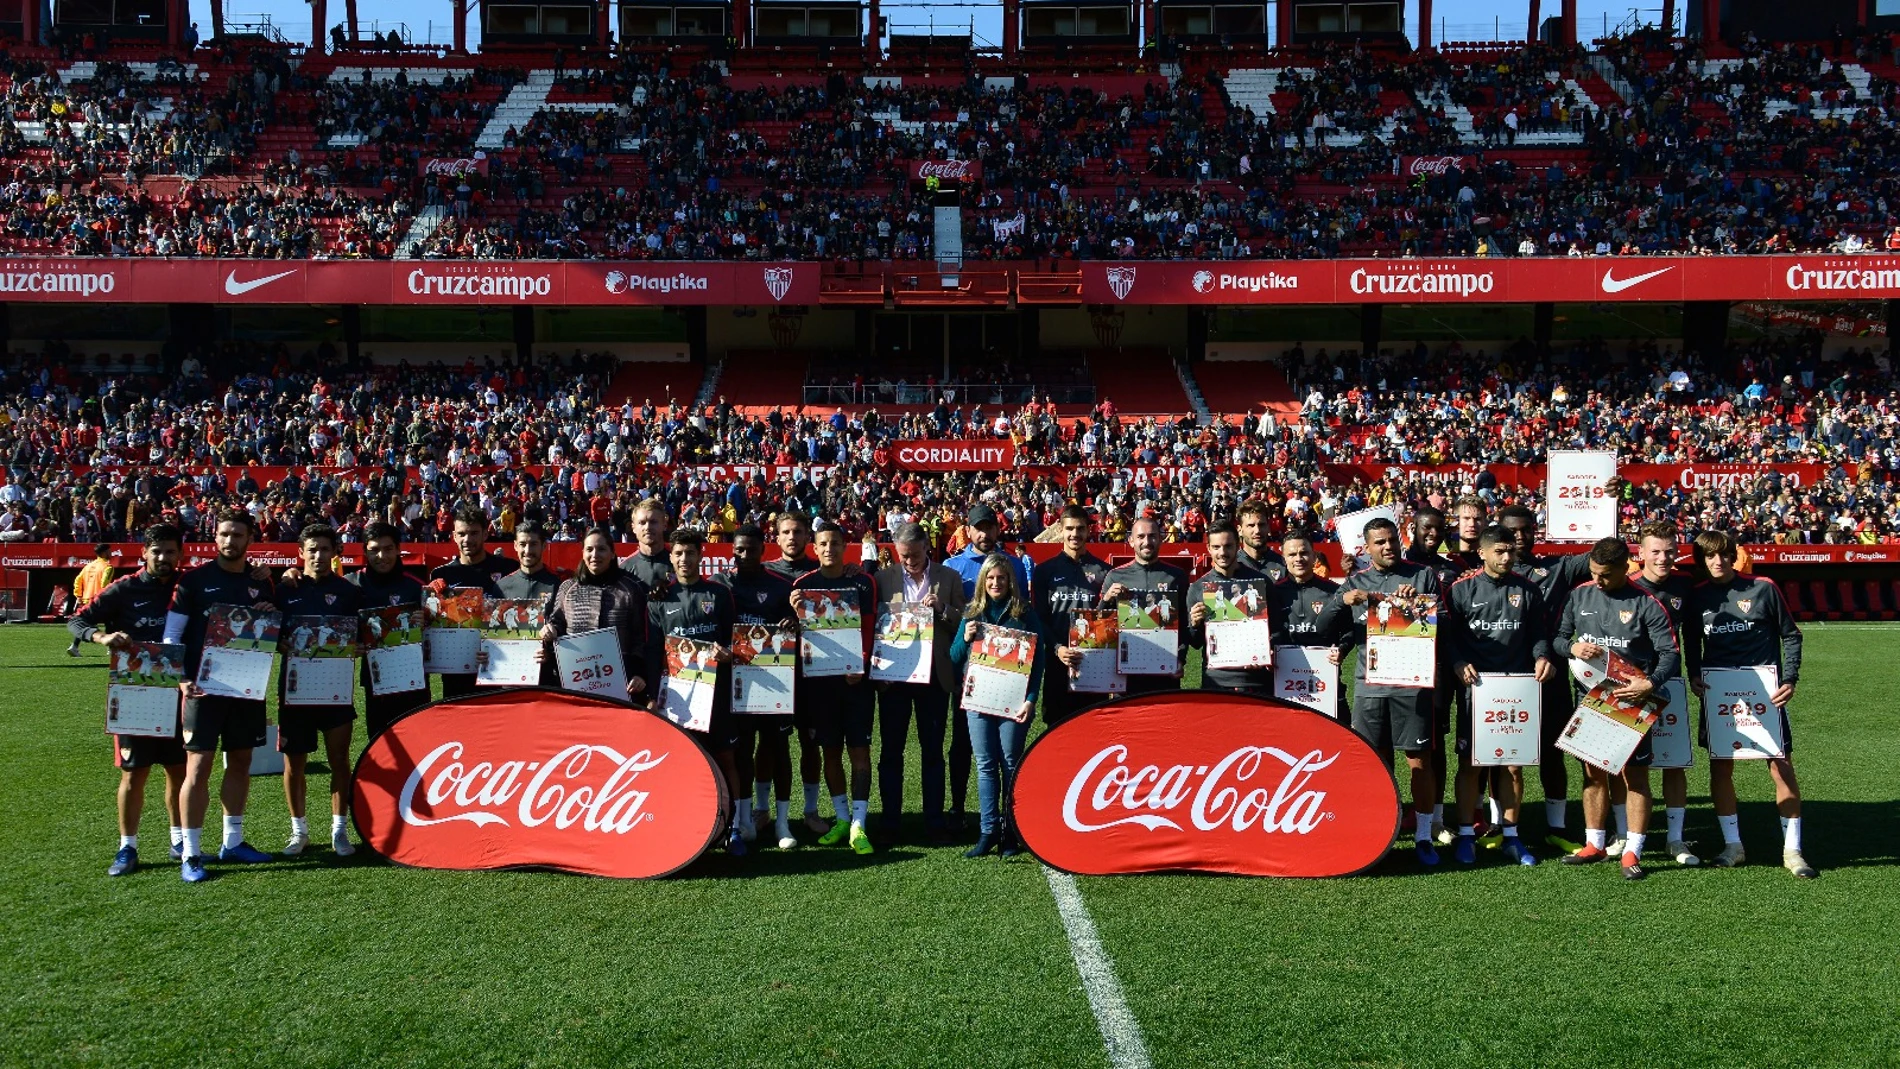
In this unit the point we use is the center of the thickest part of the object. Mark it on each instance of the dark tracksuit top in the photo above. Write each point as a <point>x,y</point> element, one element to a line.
<point>1629,622</point>
<point>1308,613</point>
<point>1740,624</point>
<point>1272,565</point>
<point>1061,586</point>
<point>1493,625</point>
<point>206,586</point>
<point>791,570</point>
<point>538,586</point>
<point>651,570</point>
<point>393,589</point>
<point>1245,577</point>
<point>135,605</point>
<point>1673,593</point>
<point>1404,573</point>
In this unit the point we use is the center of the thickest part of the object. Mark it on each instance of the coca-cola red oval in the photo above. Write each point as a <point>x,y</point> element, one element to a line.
<point>538,778</point>
<point>1205,783</point>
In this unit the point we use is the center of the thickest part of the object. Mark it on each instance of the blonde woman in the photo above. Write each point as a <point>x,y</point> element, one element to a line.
<point>998,741</point>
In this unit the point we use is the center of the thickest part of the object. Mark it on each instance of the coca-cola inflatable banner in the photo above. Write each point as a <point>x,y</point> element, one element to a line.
<point>538,778</point>
<point>1205,783</point>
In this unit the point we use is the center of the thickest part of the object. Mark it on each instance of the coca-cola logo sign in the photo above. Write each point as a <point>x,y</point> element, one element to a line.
<point>1414,166</point>
<point>947,170</point>
<point>538,778</point>
<point>1205,783</point>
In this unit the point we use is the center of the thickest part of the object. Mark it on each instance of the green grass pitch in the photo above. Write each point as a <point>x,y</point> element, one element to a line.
<point>917,957</point>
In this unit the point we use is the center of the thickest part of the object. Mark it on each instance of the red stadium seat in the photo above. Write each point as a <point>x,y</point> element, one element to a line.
<point>1824,607</point>
<point>1849,605</point>
<point>1874,598</point>
<point>1797,602</point>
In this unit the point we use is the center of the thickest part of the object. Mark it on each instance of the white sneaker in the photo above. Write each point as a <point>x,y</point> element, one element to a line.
<point>1795,863</point>
<point>1731,856</point>
<point>1683,855</point>
<point>1617,847</point>
<point>747,830</point>
<point>1442,834</point>
<point>785,839</point>
<point>296,845</point>
<point>340,843</point>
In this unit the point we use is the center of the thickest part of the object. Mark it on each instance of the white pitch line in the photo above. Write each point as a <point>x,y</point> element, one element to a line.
<point>1120,1031</point>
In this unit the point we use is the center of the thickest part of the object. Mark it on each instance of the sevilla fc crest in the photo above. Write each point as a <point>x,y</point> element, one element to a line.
<point>1317,605</point>
<point>1120,281</point>
<point>253,590</point>
<point>1675,603</point>
<point>1625,615</point>
<point>1744,603</point>
<point>329,599</point>
<point>778,282</point>
<point>1517,601</point>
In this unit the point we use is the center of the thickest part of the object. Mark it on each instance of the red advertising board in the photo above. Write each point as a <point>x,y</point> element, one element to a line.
<point>1203,782</point>
<point>954,454</point>
<point>1226,282</point>
<point>538,778</point>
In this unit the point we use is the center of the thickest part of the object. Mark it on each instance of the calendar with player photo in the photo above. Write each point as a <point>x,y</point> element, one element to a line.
<point>692,674</point>
<point>511,641</point>
<point>1401,640</point>
<point>392,647</point>
<point>996,681</point>
<point>452,643</point>
<point>320,660</point>
<point>1605,729</point>
<point>1149,636</point>
<point>904,647</point>
<point>142,689</point>
<point>1239,632</point>
<point>240,644</point>
<point>832,639</point>
<point>1096,635</point>
<point>764,669</point>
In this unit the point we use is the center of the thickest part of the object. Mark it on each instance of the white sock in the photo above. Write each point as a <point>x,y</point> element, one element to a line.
<point>1597,837</point>
<point>128,840</point>
<point>784,810</point>
<point>811,798</point>
<point>1622,813</point>
<point>1554,812</point>
<point>762,795</point>
<point>1791,835</point>
<point>1497,815</point>
<point>840,807</point>
<point>1633,843</point>
<point>1510,831</point>
<point>339,823</point>
<point>860,809</point>
<point>1731,826</point>
<point>1678,820</point>
<point>233,830</point>
<point>178,835</point>
<point>1423,832</point>
<point>192,840</point>
<point>300,827</point>
<point>745,810</point>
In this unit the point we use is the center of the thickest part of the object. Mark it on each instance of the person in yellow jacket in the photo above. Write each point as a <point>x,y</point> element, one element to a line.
<point>93,578</point>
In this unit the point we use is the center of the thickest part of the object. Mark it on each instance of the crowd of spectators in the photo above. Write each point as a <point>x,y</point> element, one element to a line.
<point>1775,151</point>
<point>94,457</point>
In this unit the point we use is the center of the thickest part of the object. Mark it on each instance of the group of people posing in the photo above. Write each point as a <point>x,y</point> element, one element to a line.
<point>1501,609</point>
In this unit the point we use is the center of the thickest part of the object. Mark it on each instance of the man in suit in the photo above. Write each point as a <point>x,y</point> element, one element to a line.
<point>939,590</point>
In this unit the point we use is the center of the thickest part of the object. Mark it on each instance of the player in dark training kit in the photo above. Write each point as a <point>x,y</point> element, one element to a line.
<point>384,585</point>
<point>133,610</point>
<point>238,724</point>
<point>533,580</point>
<point>1611,613</point>
<point>1737,621</point>
<point>792,533</point>
<point>692,606</point>
<point>652,563</point>
<point>1070,580</point>
<point>1156,586</point>
<point>1656,548</point>
<point>473,567</point>
<point>1308,612</point>
<point>1233,580</point>
<point>835,713</point>
<point>762,596</point>
<point>320,592</point>
<point>1493,623</point>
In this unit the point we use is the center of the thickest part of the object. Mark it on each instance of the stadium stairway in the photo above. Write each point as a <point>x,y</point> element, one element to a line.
<point>1193,391</point>
<point>421,230</point>
<point>1235,387</point>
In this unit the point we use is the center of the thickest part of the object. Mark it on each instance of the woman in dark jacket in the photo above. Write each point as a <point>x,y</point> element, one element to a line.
<point>997,740</point>
<point>602,596</point>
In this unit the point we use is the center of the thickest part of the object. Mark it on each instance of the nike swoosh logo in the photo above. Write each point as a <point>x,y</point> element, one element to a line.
<point>1618,285</point>
<point>238,289</point>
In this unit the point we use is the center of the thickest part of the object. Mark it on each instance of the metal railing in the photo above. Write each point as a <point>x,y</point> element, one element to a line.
<point>955,394</point>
